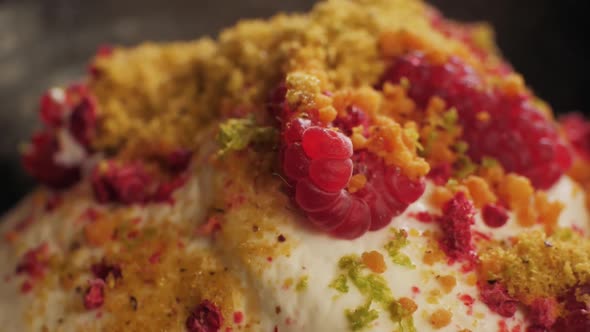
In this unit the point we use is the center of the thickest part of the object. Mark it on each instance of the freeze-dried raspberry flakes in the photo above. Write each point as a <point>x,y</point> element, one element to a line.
<point>206,317</point>
<point>39,160</point>
<point>455,222</point>
<point>496,297</point>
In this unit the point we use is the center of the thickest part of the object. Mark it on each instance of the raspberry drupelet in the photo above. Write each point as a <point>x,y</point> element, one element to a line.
<point>318,161</point>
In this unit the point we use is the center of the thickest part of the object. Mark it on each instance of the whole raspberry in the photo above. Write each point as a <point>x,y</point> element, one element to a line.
<point>517,134</point>
<point>577,131</point>
<point>318,162</point>
<point>206,317</point>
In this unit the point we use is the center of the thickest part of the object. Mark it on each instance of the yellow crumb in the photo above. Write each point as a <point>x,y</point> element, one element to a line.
<point>440,318</point>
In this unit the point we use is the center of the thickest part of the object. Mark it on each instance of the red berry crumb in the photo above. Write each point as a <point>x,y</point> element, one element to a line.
<point>94,296</point>
<point>496,297</point>
<point>518,134</point>
<point>238,317</point>
<point>39,161</point>
<point>206,317</point>
<point>543,313</point>
<point>575,317</point>
<point>124,183</point>
<point>102,270</point>
<point>494,215</point>
<point>455,223</point>
<point>34,262</point>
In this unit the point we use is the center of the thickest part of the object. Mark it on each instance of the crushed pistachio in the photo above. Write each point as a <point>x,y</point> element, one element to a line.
<point>237,134</point>
<point>375,289</point>
<point>302,284</point>
<point>530,269</point>
<point>394,246</point>
<point>489,162</point>
<point>340,284</point>
<point>464,166</point>
<point>361,317</point>
<point>403,316</point>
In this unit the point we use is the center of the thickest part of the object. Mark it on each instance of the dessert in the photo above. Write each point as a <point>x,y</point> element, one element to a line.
<point>368,166</point>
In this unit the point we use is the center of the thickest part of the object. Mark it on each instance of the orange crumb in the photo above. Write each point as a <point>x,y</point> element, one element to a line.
<point>408,304</point>
<point>356,182</point>
<point>397,42</point>
<point>513,85</point>
<point>366,99</point>
<point>374,261</point>
<point>447,282</point>
<point>327,114</point>
<point>479,190</point>
<point>440,195</point>
<point>516,190</point>
<point>99,231</point>
<point>359,141</point>
<point>548,211</point>
<point>483,116</point>
<point>397,146</point>
<point>396,103</point>
<point>440,318</point>
<point>471,279</point>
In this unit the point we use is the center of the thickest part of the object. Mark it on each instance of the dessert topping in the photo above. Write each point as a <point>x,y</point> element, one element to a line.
<point>206,317</point>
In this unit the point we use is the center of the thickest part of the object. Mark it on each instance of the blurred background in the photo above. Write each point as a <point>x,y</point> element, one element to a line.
<point>47,42</point>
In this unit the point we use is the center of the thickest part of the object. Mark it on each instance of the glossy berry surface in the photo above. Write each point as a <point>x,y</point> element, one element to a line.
<point>318,162</point>
<point>517,134</point>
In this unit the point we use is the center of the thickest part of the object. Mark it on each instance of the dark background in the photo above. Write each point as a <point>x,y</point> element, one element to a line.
<point>47,42</point>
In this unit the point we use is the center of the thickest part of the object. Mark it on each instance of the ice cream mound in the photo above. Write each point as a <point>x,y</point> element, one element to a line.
<point>368,166</point>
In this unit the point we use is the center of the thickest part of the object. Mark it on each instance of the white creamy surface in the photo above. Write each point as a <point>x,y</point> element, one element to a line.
<point>315,255</point>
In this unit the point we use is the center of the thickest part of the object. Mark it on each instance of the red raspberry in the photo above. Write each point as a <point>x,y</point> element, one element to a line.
<point>82,124</point>
<point>52,108</point>
<point>518,135</point>
<point>206,317</point>
<point>324,143</point>
<point>39,161</point>
<point>494,215</point>
<point>319,161</point>
<point>577,131</point>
